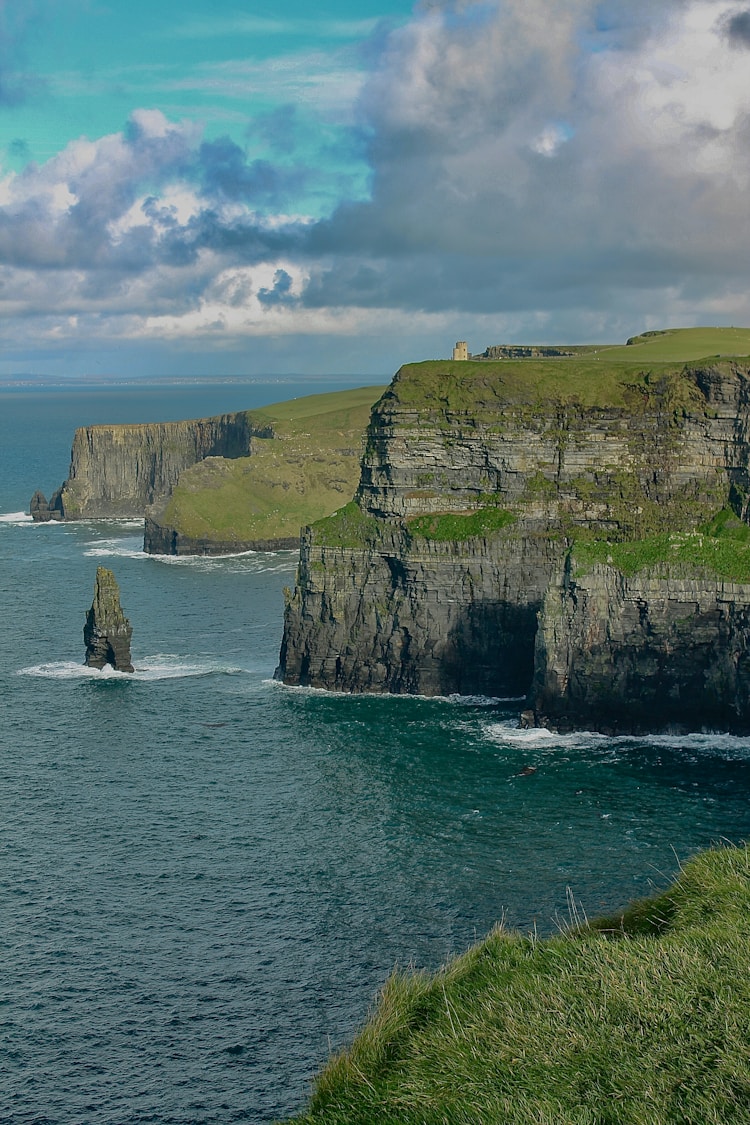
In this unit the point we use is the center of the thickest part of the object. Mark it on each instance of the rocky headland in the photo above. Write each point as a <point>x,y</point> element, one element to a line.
<point>213,486</point>
<point>574,530</point>
<point>116,471</point>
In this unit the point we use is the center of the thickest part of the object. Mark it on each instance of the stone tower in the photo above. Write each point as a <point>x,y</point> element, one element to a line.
<point>461,350</point>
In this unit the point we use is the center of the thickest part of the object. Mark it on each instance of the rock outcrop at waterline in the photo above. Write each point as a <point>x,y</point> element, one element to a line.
<point>478,486</point>
<point>107,631</point>
<point>116,471</point>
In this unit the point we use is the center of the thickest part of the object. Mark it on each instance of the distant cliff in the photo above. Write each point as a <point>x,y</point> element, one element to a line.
<point>116,471</point>
<point>480,486</point>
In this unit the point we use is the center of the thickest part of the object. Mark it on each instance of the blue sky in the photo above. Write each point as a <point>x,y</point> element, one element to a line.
<point>262,190</point>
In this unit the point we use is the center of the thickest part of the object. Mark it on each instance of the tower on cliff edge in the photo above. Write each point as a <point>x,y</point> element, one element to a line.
<point>461,350</point>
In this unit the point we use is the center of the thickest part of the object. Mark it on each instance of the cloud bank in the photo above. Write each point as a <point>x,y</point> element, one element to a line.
<point>551,170</point>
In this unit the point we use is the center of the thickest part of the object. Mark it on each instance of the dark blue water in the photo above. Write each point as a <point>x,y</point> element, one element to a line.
<point>204,876</point>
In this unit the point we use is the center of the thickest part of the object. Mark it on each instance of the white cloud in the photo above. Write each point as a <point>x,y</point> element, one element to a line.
<point>532,174</point>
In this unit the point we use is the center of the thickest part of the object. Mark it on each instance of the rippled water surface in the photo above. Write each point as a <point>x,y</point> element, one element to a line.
<point>204,876</point>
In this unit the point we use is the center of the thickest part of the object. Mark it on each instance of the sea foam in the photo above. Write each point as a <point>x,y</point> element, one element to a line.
<point>712,742</point>
<point>162,666</point>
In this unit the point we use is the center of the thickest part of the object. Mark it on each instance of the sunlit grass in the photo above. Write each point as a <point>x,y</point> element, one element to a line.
<point>642,1018</point>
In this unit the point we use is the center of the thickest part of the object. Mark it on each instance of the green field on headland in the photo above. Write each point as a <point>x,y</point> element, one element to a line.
<point>610,375</point>
<point>642,1018</point>
<point>308,468</point>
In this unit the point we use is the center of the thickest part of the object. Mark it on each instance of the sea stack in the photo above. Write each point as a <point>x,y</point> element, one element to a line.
<point>107,631</point>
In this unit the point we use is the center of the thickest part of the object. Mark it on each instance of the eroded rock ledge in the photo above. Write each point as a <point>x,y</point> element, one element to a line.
<point>489,495</point>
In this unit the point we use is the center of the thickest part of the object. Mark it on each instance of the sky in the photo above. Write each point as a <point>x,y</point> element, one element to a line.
<point>248,188</point>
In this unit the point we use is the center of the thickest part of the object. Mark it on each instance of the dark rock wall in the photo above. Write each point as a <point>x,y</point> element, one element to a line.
<point>659,650</point>
<point>431,619</point>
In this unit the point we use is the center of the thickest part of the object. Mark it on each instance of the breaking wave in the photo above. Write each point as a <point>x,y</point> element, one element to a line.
<point>127,548</point>
<point>259,562</point>
<point>701,742</point>
<point>15,517</point>
<point>162,666</point>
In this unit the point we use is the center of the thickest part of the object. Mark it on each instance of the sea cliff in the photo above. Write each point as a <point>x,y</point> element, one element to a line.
<point>481,483</point>
<point>212,486</point>
<point>117,470</point>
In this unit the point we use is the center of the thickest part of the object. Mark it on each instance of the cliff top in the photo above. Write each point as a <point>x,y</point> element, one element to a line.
<point>610,376</point>
<point>442,385</point>
<point>632,1018</point>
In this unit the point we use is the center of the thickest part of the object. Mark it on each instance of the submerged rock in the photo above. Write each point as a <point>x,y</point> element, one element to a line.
<point>107,631</point>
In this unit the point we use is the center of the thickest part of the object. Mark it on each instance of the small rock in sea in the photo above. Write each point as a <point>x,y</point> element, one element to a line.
<point>527,771</point>
<point>107,631</point>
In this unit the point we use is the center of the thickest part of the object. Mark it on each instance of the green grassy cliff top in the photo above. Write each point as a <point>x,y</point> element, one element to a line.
<point>306,470</point>
<point>608,376</point>
<point>638,1019</point>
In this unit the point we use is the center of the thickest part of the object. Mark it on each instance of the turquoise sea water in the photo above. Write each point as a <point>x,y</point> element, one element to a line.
<point>205,876</point>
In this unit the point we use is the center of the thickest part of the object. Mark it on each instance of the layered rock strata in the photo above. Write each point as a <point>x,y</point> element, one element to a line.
<point>417,616</point>
<point>664,649</point>
<point>116,471</point>
<point>406,595</point>
<point>107,631</point>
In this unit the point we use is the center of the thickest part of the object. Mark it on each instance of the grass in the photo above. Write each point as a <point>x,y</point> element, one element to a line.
<point>308,469</point>
<point>721,547</point>
<point>610,376</point>
<point>683,345</point>
<point>348,527</point>
<point>456,527</point>
<point>642,1018</point>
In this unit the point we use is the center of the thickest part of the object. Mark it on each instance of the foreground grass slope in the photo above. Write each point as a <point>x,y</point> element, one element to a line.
<point>640,1018</point>
<point>305,471</point>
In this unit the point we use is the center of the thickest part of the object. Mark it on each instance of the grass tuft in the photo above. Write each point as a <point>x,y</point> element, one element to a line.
<point>637,1019</point>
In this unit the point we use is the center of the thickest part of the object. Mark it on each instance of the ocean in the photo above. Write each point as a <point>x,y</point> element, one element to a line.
<point>205,877</point>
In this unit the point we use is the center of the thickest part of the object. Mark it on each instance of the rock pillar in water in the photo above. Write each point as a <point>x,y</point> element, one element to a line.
<point>107,631</point>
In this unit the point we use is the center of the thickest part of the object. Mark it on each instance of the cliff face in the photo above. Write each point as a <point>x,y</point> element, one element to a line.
<point>476,481</point>
<point>416,616</point>
<point>653,651</point>
<point>116,471</point>
<point>672,441</point>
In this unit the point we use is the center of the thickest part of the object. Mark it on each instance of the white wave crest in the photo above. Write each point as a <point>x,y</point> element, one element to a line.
<point>259,562</point>
<point>508,733</point>
<point>128,548</point>
<point>163,666</point>
<point>15,517</point>
<point>403,697</point>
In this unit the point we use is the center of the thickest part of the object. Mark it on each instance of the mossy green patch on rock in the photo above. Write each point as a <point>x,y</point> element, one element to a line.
<point>456,526</point>
<point>349,527</point>
<point>721,547</point>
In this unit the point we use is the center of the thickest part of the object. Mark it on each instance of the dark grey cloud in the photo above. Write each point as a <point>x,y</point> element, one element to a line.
<point>281,293</point>
<point>226,173</point>
<point>738,29</point>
